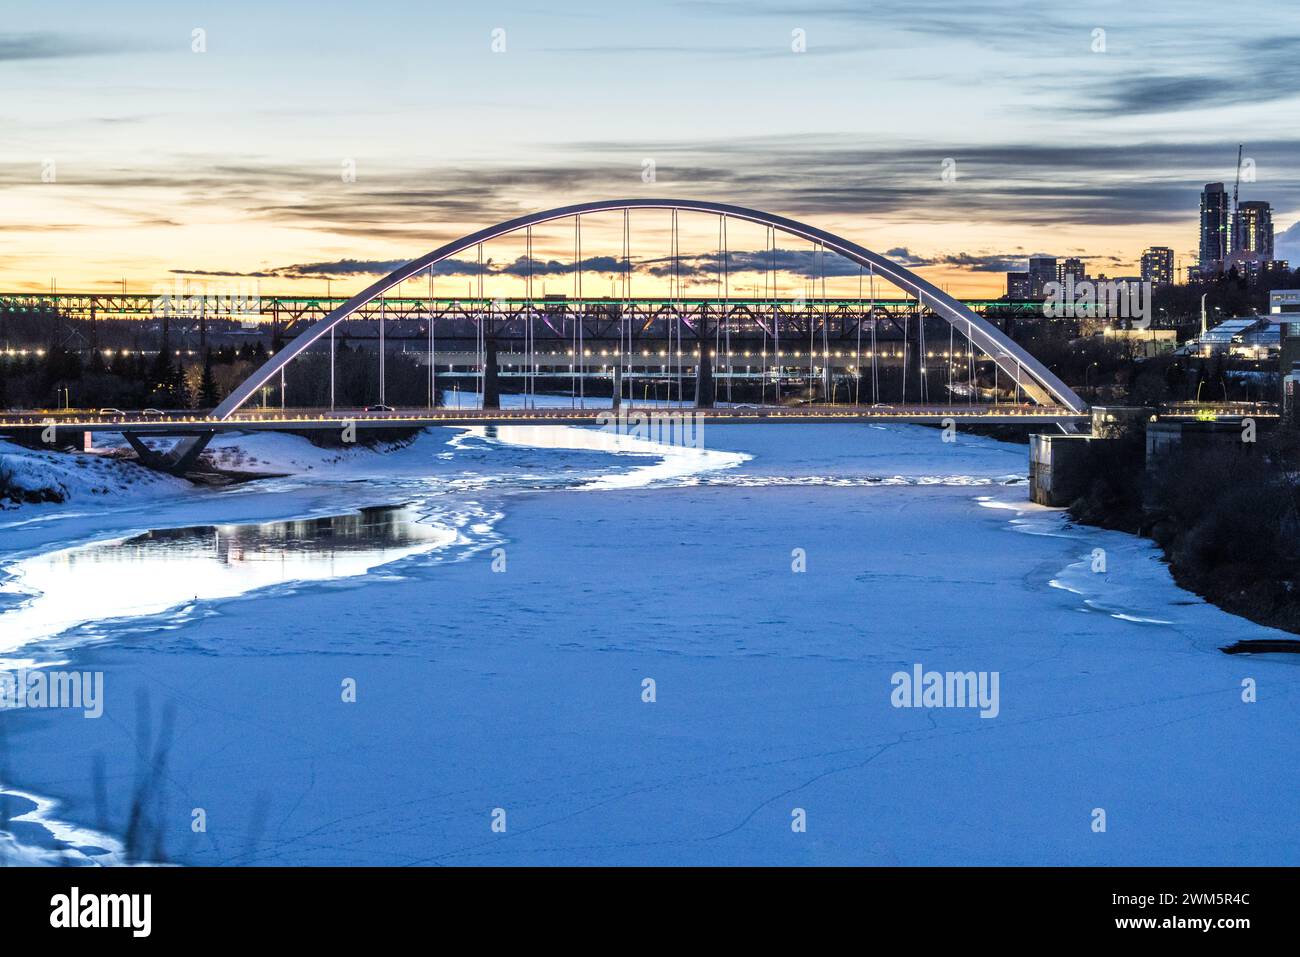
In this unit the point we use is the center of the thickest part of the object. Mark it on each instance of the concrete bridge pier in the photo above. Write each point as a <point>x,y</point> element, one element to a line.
<point>491,376</point>
<point>618,385</point>
<point>705,388</point>
<point>179,459</point>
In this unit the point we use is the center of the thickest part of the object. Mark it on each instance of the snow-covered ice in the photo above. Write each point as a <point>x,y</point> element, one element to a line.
<point>521,688</point>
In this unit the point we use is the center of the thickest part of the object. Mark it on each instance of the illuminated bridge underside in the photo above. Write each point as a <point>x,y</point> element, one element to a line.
<point>295,419</point>
<point>293,311</point>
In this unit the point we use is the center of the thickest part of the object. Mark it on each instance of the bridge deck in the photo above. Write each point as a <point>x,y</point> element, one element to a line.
<point>271,419</point>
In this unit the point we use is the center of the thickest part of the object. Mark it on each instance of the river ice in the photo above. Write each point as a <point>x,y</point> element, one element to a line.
<point>517,695</point>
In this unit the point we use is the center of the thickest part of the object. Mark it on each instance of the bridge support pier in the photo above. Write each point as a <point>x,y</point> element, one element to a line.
<point>491,376</point>
<point>177,460</point>
<point>618,384</point>
<point>705,389</point>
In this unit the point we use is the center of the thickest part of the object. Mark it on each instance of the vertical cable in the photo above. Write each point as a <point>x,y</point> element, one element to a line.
<point>433,359</point>
<point>726,303</point>
<point>857,355</point>
<point>582,343</point>
<point>776,320</point>
<point>529,358</point>
<point>875,353</point>
<point>480,338</point>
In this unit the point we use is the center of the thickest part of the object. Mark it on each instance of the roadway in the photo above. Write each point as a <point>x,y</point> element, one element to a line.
<point>86,420</point>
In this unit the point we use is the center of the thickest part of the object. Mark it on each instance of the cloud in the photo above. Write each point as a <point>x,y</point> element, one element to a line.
<point>57,46</point>
<point>974,262</point>
<point>1259,70</point>
<point>840,178</point>
<point>1286,245</point>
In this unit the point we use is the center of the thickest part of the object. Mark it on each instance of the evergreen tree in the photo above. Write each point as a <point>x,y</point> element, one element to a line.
<point>180,388</point>
<point>208,397</point>
<point>160,380</point>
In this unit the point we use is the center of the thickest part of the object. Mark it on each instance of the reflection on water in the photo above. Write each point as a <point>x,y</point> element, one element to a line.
<point>664,462</point>
<point>165,569</point>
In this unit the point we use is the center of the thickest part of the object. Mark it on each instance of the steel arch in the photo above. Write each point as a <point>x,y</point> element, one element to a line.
<point>1011,359</point>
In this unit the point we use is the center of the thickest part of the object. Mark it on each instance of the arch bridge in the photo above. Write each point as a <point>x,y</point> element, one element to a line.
<point>745,358</point>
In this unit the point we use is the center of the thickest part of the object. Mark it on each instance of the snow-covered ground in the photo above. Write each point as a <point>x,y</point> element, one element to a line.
<point>500,666</point>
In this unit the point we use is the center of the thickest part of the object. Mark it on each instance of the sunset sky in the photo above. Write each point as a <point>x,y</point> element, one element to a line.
<point>229,163</point>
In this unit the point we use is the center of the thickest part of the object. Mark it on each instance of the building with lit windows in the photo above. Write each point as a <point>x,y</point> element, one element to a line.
<point>1216,214</point>
<point>1253,236</point>
<point>1158,265</point>
<point>1042,270</point>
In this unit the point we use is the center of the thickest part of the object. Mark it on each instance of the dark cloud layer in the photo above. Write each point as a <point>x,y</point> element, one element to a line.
<point>838,177</point>
<point>57,46</point>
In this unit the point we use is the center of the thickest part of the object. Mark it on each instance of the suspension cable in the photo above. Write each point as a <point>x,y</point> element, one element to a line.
<point>906,321</point>
<point>810,316</point>
<point>776,324</point>
<point>627,296</point>
<point>951,331</point>
<point>573,315</point>
<point>433,358</point>
<point>582,341</point>
<point>676,298</point>
<point>875,353</point>
<point>726,297</point>
<point>857,355</point>
<point>828,371</point>
<point>922,383</point>
<point>530,371</point>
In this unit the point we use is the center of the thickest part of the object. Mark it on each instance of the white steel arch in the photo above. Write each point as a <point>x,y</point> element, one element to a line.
<point>1014,361</point>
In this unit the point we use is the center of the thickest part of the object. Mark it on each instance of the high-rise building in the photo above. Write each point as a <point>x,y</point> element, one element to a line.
<point>1253,239</point>
<point>1215,220</point>
<point>1071,268</point>
<point>1018,285</point>
<point>1042,270</point>
<point>1158,265</point>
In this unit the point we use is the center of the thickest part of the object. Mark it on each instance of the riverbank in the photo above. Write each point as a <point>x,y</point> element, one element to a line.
<point>1226,519</point>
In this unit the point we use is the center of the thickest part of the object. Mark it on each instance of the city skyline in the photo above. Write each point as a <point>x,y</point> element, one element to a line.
<point>982,138</point>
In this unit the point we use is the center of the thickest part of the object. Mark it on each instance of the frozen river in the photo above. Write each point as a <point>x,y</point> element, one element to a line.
<point>566,647</point>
